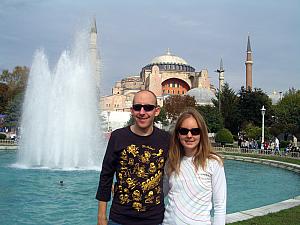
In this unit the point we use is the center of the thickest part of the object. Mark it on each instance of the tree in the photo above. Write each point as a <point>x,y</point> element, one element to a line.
<point>252,132</point>
<point>16,84</point>
<point>175,104</point>
<point>14,111</point>
<point>212,117</point>
<point>224,136</point>
<point>229,108</point>
<point>16,80</point>
<point>3,97</point>
<point>249,104</point>
<point>287,113</point>
<point>162,117</point>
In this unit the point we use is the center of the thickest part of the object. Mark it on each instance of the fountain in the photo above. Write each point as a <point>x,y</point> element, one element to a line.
<point>60,127</point>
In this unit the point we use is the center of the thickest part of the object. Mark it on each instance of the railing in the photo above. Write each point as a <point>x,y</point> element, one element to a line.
<point>258,152</point>
<point>8,142</point>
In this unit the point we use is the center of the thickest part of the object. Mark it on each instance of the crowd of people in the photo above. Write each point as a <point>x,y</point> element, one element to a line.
<point>271,147</point>
<point>245,143</point>
<point>292,149</point>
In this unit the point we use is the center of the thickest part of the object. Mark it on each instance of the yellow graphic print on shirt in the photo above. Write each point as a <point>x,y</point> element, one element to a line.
<point>139,176</point>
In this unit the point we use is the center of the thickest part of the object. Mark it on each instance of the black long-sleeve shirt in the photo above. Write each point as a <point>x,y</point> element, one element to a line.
<point>138,163</point>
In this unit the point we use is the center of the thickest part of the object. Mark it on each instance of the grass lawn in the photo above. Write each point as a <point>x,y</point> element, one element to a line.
<point>271,157</point>
<point>285,217</point>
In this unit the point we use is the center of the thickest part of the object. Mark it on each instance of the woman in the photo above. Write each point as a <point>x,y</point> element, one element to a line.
<point>194,178</point>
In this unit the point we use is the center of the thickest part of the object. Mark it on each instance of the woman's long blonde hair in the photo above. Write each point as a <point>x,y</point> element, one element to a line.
<point>204,151</point>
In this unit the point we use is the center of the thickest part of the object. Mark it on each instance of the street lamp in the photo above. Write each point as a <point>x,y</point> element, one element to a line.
<point>263,111</point>
<point>108,125</point>
<point>280,93</point>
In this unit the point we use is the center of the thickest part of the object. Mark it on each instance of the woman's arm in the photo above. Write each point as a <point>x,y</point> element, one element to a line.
<point>219,191</point>
<point>166,186</point>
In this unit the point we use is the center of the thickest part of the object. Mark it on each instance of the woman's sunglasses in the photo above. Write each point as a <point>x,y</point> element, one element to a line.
<point>185,131</point>
<point>147,108</point>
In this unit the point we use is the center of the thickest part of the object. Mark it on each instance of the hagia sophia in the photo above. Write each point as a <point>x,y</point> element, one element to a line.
<point>165,75</point>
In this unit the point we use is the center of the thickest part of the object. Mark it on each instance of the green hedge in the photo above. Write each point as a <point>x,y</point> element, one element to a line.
<point>2,136</point>
<point>224,136</point>
<point>283,144</point>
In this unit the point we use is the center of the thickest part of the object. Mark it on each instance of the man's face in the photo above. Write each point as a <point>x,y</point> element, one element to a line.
<point>144,116</point>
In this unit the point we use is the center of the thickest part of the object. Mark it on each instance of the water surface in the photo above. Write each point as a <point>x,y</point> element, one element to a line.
<point>35,196</point>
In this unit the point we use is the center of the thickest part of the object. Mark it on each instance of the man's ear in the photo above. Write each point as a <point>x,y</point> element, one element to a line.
<point>157,110</point>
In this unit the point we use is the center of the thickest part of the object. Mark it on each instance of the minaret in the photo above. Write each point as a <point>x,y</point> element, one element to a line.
<point>220,71</point>
<point>249,63</point>
<point>94,56</point>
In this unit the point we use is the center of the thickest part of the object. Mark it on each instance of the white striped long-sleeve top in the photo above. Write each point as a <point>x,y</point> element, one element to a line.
<point>192,193</point>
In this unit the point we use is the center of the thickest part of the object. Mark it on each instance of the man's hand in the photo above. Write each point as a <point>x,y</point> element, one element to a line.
<point>102,219</point>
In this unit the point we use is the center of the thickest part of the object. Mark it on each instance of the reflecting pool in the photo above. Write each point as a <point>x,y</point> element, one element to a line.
<point>36,196</point>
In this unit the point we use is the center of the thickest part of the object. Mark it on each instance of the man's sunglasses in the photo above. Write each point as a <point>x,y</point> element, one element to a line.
<point>185,131</point>
<point>147,108</point>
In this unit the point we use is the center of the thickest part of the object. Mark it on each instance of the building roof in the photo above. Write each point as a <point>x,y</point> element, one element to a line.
<point>275,97</point>
<point>168,58</point>
<point>248,44</point>
<point>203,96</point>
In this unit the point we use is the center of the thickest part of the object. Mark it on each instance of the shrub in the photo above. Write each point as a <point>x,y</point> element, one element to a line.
<point>2,136</point>
<point>283,144</point>
<point>224,136</point>
<point>235,137</point>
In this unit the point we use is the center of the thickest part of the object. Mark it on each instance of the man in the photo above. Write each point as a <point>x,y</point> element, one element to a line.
<point>136,154</point>
<point>277,150</point>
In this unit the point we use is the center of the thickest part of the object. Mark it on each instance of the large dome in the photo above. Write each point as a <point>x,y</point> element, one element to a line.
<point>203,96</point>
<point>168,58</point>
<point>275,97</point>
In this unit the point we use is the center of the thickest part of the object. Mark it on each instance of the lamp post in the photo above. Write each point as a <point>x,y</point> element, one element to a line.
<point>263,111</point>
<point>108,125</point>
<point>280,94</point>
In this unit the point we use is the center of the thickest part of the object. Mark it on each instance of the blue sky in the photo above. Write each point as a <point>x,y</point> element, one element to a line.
<point>132,32</point>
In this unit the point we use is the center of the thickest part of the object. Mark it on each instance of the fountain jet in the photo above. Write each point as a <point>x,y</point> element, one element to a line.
<point>60,126</point>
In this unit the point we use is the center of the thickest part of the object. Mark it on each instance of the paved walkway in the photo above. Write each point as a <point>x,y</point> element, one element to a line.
<point>8,147</point>
<point>261,211</point>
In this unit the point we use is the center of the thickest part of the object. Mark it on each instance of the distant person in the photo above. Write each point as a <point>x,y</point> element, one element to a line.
<point>194,178</point>
<point>136,155</point>
<point>277,146</point>
<point>295,141</point>
<point>272,147</point>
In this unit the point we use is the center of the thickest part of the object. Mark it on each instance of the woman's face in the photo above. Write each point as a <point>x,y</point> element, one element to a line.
<point>189,135</point>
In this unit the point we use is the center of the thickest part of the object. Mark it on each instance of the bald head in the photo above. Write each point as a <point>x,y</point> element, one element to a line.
<point>146,95</point>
